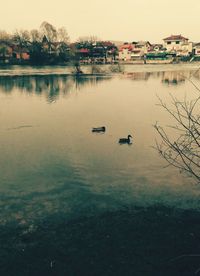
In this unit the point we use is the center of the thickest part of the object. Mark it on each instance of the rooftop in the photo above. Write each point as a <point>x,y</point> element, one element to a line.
<point>126,46</point>
<point>175,37</point>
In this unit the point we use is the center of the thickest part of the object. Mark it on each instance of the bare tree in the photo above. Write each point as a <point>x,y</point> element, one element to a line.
<point>22,37</point>
<point>182,148</point>
<point>49,31</point>
<point>62,35</point>
<point>4,35</point>
<point>88,39</point>
<point>35,36</point>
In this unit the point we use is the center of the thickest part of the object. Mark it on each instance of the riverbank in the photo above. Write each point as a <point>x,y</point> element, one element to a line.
<point>17,70</point>
<point>135,241</point>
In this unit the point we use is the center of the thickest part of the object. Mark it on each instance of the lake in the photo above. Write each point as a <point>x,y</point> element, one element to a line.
<point>74,202</point>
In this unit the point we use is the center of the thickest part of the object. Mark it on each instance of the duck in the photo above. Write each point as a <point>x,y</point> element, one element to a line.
<point>99,129</point>
<point>125,140</point>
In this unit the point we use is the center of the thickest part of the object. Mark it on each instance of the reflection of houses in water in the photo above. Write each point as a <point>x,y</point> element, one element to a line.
<point>174,77</point>
<point>52,86</point>
<point>138,75</point>
<point>167,77</point>
<point>83,81</point>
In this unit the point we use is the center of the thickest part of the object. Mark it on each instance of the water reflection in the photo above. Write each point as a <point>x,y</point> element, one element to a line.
<point>173,78</point>
<point>50,85</point>
<point>139,76</point>
<point>54,85</point>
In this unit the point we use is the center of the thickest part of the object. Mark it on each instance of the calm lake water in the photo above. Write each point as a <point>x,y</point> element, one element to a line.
<point>52,167</point>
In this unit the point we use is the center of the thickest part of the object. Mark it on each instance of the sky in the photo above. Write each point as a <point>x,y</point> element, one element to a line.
<point>128,20</point>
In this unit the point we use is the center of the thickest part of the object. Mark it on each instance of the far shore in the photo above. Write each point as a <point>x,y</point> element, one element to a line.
<point>94,70</point>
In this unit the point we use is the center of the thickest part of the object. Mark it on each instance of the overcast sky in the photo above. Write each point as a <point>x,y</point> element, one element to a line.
<point>126,20</point>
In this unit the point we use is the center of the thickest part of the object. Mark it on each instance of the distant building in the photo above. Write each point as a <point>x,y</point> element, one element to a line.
<point>20,53</point>
<point>157,48</point>
<point>178,44</point>
<point>10,51</point>
<point>134,50</point>
<point>100,52</point>
<point>196,49</point>
<point>141,48</point>
<point>6,51</point>
<point>125,51</point>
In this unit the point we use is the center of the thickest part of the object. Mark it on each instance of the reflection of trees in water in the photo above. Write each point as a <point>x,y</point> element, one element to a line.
<point>82,81</point>
<point>137,75</point>
<point>49,85</point>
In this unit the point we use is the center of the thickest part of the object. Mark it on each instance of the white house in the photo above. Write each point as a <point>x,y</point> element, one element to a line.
<point>125,52</point>
<point>178,44</point>
<point>134,51</point>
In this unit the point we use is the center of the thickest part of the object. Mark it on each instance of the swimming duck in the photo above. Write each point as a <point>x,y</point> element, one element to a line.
<point>99,129</point>
<point>125,140</point>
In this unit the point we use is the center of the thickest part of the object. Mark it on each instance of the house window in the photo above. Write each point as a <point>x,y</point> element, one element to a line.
<point>177,42</point>
<point>168,42</point>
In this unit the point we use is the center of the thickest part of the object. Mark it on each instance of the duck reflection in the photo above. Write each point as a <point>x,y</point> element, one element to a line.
<point>49,85</point>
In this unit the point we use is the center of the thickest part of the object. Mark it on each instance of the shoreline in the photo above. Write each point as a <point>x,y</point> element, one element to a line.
<point>101,70</point>
<point>123,233</point>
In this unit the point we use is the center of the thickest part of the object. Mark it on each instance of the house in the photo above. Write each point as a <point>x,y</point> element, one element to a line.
<point>178,44</point>
<point>10,51</point>
<point>20,53</point>
<point>196,49</point>
<point>134,51</point>
<point>125,51</point>
<point>110,50</point>
<point>158,48</point>
<point>140,49</point>
<point>95,52</point>
<point>5,51</point>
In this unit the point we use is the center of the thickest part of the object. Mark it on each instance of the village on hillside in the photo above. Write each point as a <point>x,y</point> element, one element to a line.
<point>50,46</point>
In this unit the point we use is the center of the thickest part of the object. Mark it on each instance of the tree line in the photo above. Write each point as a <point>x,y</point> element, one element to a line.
<point>48,45</point>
